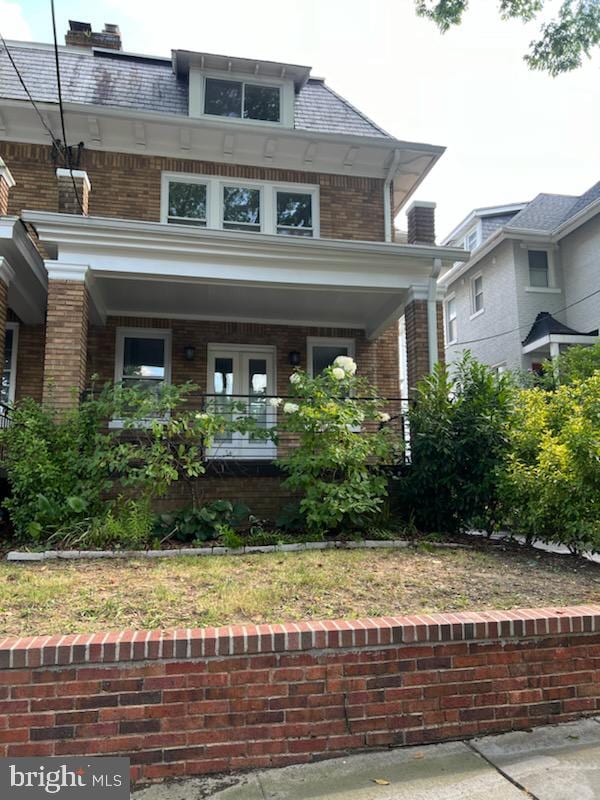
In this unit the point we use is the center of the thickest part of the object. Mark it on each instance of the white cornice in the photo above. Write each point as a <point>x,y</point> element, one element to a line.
<point>6,174</point>
<point>57,271</point>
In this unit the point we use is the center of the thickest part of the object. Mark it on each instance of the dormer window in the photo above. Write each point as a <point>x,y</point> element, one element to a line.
<point>241,100</point>
<point>471,240</point>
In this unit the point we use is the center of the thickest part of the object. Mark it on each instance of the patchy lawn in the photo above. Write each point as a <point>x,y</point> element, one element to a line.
<point>69,597</point>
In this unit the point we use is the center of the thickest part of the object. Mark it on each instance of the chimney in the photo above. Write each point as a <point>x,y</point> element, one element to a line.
<point>73,184</point>
<point>6,183</point>
<point>80,34</point>
<point>421,222</point>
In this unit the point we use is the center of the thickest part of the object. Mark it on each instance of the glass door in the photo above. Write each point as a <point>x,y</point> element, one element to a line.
<point>240,378</point>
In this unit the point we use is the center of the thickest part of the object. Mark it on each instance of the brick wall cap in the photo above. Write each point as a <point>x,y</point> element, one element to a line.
<point>421,204</point>
<point>128,645</point>
<point>5,174</point>
<point>61,172</point>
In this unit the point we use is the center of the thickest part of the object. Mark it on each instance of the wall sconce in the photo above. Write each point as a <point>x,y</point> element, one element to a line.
<point>189,352</point>
<point>294,358</point>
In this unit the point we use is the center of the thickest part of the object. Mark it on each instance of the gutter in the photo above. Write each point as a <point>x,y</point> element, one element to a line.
<point>387,200</point>
<point>432,313</point>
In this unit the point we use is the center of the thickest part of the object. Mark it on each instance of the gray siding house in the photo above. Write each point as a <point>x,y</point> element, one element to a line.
<point>532,284</point>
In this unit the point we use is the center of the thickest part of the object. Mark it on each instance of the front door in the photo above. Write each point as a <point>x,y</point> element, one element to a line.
<point>240,379</point>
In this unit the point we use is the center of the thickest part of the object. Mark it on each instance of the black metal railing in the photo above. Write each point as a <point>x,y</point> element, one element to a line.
<point>5,422</point>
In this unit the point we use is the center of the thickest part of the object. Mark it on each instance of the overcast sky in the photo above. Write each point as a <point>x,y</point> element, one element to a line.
<point>510,133</point>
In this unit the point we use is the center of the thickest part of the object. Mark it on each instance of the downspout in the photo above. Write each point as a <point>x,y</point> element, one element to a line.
<point>432,334</point>
<point>387,207</point>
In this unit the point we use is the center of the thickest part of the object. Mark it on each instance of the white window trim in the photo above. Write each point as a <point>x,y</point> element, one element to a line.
<point>197,90</point>
<point>467,236</point>
<point>326,341</point>
<point>14,327</point>
<point>552,288</point>
<point>476,312</point>
<point>447,302</point>
<point>214,200</point>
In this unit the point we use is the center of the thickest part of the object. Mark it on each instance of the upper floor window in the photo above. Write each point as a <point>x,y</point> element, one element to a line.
<point>472,239</point>
<point>241,100</point>
<point>477,293</point>
<point>285,209</point>
<point>538,268</point>
<point>451,325</point>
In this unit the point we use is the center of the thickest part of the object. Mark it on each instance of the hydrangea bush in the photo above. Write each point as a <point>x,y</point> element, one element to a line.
<point>342,445</point>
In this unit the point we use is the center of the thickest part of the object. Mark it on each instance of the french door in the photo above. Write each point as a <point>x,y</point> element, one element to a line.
<point>240,379</point>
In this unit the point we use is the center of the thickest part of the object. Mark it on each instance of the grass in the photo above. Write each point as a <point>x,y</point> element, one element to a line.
<point>77,597</point>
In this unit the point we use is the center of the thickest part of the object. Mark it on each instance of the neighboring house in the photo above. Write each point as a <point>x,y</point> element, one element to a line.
<point>229,219</point>
<point>531,286</point>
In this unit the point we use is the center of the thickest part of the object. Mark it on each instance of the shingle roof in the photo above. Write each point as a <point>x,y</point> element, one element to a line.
<point>547,211</point>
<point>149,84</point>
<point>545,324</point>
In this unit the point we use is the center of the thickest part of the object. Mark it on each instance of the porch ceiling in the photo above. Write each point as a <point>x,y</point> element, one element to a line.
<point>23,270</point>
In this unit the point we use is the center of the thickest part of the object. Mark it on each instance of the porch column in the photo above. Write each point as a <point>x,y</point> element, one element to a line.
<point>65,353</point>
<point>74,189</point>
<point>418,327</point>
<point>6,275</point>
<point>6,183</point>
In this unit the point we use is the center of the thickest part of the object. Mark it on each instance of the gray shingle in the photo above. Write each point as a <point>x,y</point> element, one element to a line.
<point>544,213</point>
<point>146,84</point>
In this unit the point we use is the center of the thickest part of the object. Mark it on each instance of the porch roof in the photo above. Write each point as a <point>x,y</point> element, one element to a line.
<point>22,269</point>
<point>155,269</point>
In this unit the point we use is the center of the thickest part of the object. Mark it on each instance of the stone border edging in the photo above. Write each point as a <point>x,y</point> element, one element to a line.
<point>234,640</point>
<point>53,555</point>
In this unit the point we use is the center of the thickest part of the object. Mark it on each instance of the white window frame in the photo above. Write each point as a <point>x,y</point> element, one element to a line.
<point>551,287</point>
<point>239,447</point>
<point>123,333</point>
<point>475,312</point>
<point>451,298</point>
<point>197,92</point>
<point>14,327</point>
<point>326,341</point>
<point>214,200</point>
<point>473,231</point>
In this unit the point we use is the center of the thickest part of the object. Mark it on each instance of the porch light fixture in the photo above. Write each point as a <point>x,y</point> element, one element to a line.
<point>189,352</point>
<point>294,358</point>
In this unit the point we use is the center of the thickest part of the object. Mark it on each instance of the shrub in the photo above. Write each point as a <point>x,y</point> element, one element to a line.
<point>459,440</point>
<point>576,363</point>
<point>125,524</point>
<point>552,480</point>
<point>341,448</point>
<point>200,524</point>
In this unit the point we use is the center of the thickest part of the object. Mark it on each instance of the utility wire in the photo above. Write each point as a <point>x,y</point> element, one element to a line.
<point>518,328</point>
<point>67,152</point>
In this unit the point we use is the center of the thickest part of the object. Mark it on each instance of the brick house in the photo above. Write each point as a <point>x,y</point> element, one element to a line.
<point>228,219</point>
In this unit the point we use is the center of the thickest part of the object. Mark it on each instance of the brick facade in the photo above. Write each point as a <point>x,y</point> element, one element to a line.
<point>4,188</point>
<point>128,186</point>
<point>186,702</point>
<point>73,192</point>
<point>66,343</point>
<point>417,340</point>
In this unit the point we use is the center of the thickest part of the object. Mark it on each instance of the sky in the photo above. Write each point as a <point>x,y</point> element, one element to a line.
<point>509,132</point>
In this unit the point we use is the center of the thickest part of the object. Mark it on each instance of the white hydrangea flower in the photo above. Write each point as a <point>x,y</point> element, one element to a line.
<point>295,377</point>
<point>338,373</point>
<point>346,363</point>
<point>275,402</point>
<point>290,408</point>
<point>383,416</point>
<point>203,415</point>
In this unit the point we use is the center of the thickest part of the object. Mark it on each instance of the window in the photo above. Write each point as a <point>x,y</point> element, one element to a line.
<point>294,214</point>
<point>451,326</point>
<point>472,239</point>
<point>217,203</point>
<point>143,358</point>
<point>187,203</point>
<point>7,390</point>
<point>477,290</point>
<point>322,352</point>
<point>238,99</point>
<point>241,208</point>
<point>538,268</point>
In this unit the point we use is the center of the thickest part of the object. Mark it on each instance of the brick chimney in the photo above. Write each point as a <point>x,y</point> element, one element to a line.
<point>70,187</point>
<point>421,222</point>
<point>6,183</point>
<point>80,34</point>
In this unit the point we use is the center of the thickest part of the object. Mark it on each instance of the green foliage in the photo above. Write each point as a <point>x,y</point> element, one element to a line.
<point>576,363</point>
<point>552,482</point>
<point>290,518</point>
<point>563,41</point>
<point>125,524</point>
<point>200,524</point>
<point>342,445</point>
<point>459,439</point>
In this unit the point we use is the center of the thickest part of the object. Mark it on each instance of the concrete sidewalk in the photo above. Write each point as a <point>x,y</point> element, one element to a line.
<point>559,762</point>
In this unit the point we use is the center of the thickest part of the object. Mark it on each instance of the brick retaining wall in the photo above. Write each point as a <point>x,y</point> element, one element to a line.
<point>209,700</point>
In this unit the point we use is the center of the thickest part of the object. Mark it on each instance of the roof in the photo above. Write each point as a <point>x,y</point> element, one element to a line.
<point>547,211</point>
<point>484,213</point>
<point>143,83</point>
<point>547,325</point>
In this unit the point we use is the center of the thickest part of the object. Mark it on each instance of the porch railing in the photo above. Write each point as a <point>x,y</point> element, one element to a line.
<point>5,422</point>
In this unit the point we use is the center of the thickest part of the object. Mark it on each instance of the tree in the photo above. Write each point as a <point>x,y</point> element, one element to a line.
<point>563,40</point>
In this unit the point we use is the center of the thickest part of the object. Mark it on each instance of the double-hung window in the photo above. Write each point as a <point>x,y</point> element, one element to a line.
<point>472,239</point>
<point>242,100</point>
<point>477,294</point>
<point>7,389</point>
<point>538,268</point>
<point>451,325</point>
<point>239,205</point>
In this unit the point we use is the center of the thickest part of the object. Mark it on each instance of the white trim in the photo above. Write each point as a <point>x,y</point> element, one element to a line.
<point>75,173</point>
<point>449,299</point>
<point>476,229</point>
<point>560,338</point>
<point>215,184</point>
<point>481,213</point>
<point>544,289</point>
<point>12,386</point>
<point>475,312</point>
<point>327,341</point>
<point>7,273</point>
<point>58,271</point>
<point>122,332</point>
<point>6,174</point>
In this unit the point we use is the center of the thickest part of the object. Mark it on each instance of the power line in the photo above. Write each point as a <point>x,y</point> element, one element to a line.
<point>67,152</point>
<point>518,328</point>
